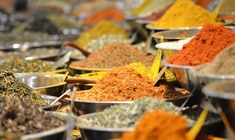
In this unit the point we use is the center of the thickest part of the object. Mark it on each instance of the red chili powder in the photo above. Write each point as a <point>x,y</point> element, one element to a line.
<point>207,43</point>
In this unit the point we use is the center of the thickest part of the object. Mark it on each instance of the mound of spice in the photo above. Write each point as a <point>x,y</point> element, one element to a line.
<point>103,27</point>
<point>18,64</point>
<point>159,125</point>
<point>18,116</point>
<point>127,115</point>
<point>126,84</point>
<point>100,42</point>
<point>113,55</point>
<point>156,15</point>
<point>184,13</point>
<point>106,13</point>
<point>13,87</point>
<point>207,43</point>
<point>223,64</point>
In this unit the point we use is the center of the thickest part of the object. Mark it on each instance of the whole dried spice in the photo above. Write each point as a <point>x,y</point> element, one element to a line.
<point>18,116</point>
<point>223,64</point>
<point>159,125</point>
<point>207,43</point>
<point>113,55</point>
<point>10,86</point>
<point>18,64</point>
<point>126,84</point>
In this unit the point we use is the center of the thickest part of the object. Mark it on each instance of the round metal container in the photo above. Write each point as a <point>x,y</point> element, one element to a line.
<point>54,107</point>
<point>183,76</point>
<point>73,70</point>
<point>223,92</point>
<point>49,84</point>
<point>174,35</point>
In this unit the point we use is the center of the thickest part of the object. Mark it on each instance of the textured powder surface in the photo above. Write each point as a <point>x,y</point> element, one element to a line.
<point>207,43</point>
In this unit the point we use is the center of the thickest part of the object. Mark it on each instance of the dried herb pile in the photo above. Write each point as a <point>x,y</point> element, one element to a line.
<point>18,116</point>
<point>10,86</point>
<point>18,64</point>
<point>127,115</point>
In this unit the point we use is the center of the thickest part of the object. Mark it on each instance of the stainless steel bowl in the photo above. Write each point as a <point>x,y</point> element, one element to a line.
<point>73,70</point>
<point>86,107</point>
<point>183,76</point>
<point>54,107</point>
<point>174,35</point>
<point>224,93</point>
<point>49,84</point>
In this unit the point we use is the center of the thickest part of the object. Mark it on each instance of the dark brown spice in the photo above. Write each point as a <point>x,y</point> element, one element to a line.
<point>18,116</point>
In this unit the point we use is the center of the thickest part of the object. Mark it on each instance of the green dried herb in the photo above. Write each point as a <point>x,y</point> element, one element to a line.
<point>127,115</point>
<point>13,87</point>
<point>18,64</point>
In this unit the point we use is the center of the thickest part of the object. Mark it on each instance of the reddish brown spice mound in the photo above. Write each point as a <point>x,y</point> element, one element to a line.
<point>208,42</point>
<point>126,84</point>
<point>159,125</point>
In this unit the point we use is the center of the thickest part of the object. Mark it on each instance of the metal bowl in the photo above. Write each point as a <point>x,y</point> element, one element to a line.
<point>174,35</point>
<point>224,93</point>
<point>49,84</point>
<point>208,78</point>
<point>73,70</point>
<point>54,107</point>
<point>183,76</point>
<point>158,29</point>
<point>86,107</point>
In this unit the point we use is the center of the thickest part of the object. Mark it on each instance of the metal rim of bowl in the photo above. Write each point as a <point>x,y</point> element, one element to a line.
<point>159,34</point>
<point>175,66</point>
<point>88,69</point>
<point>51,98</point>
<point>173,28</point>
<point>213,90</point>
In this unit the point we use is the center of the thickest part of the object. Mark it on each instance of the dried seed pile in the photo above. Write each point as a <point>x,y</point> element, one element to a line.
<point>113,55</point>
<point>18,64</point>
<point>25,117</point>
<point>126,84</point>
<point>10,86</point>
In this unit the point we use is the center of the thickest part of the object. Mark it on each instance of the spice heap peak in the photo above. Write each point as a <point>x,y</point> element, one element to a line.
<point>184,13</point>
<point>203,48</point>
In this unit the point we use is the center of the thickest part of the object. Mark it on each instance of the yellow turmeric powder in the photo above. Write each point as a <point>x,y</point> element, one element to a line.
<point>184,13</point>
<point>103,27</point>
<point>159,125</point>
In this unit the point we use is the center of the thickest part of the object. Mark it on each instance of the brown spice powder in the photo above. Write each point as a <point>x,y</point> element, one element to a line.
<point>126,84</point>
<point>114,55</point>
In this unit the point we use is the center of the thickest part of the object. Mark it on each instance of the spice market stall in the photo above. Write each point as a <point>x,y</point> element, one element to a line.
<point>131,83</point>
